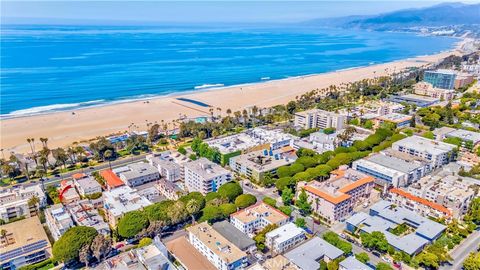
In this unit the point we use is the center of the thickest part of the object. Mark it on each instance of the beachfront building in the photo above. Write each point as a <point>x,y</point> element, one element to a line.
<point>235,236</point>
<point>112,181</point>
<point>319,119</point>
<point>25,242</point>
<point>204,176</point>
<point>169,189</point>
<point>137,174</point>
<point>14,202</point>
<point>284,238</point>
<point>58,220</point>
<point>86,185</point>
<point>351,263</point>
<point>393,168</point>
<point>441,78</point>
<point>450,191</point>
<point>384,217</point>
<point>417,100</point>
<point>397,119</point>
<point>217,249</point>
<point>256,217</point>
<point>334,199</point>
<point>309,254</point>
<point>427,89</point>
<point>255,165</point>
<point>121,200</point>
<point>439,153</point>
<point>84,213</point>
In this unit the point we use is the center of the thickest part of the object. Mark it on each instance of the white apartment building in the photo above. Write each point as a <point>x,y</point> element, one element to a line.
<point>284,237</point>
<point>319,119</point>
<point>325,142</point>
<point>14,201</point>
<point>168,169</point>
<point>58,220</point>
<point>217,249</point>
<point>426,89</point>
<point>439,153</point>
<point>257,217</point>
<point>137,174</point>
<point>204,176</point>
<point>84,213</point>
<point>121,200</point>
<point>86,185</point>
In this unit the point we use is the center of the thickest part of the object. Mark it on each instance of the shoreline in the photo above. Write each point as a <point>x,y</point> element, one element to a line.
<point>84,123</point>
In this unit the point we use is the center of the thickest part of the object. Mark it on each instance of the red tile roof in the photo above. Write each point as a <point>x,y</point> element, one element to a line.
<point>423,201</point>
<point>111,179</point>
<point>335,200</point>
<point>77,176</point>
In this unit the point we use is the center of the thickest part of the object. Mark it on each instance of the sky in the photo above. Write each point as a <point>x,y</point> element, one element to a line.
<point>194,11</point>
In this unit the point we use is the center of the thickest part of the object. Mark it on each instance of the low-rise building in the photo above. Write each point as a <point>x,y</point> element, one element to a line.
<point>58,220</point>
<point>309,254</point>
<point>284,237</point>
<point>121,200</point>
<point>397,119</point>
<point>319,119</point>
<point>351,263</point>
<point>325,142</point>
<point>426,89</point>
<point>84,213</point>
<point>168,169</point>
<point>204,176</point>
<point>137,174</point>
<point>385,217</point>
<point>417,100</point>
<point>169,189</point>
<point>235,236</point>
<point>334,199</point>
<point>86,185</point>
<point>257,164</point>
<point>14,202</point>
<point>470,139</point>
<point>393,168</point>
<point>257,217</point>
<point>439,153</point>
<point>417,204</point>
<point>463,79</point>
<point>216,248</point>
<point>112,181</point>
<point>24,242</point>
<point>67,192</point>
<point>278,262</point>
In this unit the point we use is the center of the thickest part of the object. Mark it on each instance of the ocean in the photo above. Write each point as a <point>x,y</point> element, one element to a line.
<point>53,68</point>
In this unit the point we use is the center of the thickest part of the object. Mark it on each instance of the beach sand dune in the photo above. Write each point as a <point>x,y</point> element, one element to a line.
<point>63,128</point>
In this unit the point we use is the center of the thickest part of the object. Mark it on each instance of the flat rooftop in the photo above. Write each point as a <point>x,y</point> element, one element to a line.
<point>234,235</point>
<point>24,232</point>
<point>135,170</point>
<point>187,255</point>
<point>395,117</point>
<point>422,144</point>
<point>285,232</point>
<point>265,160</point>
<point>249,214</point>
<point>394,163</point>
<point>465,135</point>
<point>205,168</point>
<point>307,255</point>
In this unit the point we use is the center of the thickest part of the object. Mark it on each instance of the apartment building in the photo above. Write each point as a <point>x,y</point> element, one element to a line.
<point>84,213</point>
<point>427,89</point>
<point>447,190</point>
<point>284,238</point>
<point>169,189</point>
<point>86,185</point>
<point>137,174</point>
<point>14,202</point>
<point>334,199</point>
<point>441,78</point>
<point>121,200</point>
<point>351,263</point>
<point>25,242</point>
<point>235,236</point>
<point>397,119</point>
<point>319,119</point>
<point>204,176</point>
<point>67,192</point>
<point>470,139</point>
<point>168,169</point>
<point>257,164</point>
<point>463,79</point>
<point>216,248</point>
<point>309,254</point>
<point>393,168</point>
<point>417,204</point>
<point>112,181</point>
<point>256,217</point>
<point>58,220</point>
<point>439,153</point>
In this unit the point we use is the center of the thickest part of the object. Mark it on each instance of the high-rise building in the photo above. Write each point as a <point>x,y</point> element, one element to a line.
<point>319,119</point>
<point>441,78</point>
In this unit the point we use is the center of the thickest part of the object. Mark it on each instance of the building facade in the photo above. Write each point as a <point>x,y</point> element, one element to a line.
<point>121,200</point>
<point>427,89</point>
<point>439,153</point>
<point>204,176</point>
<point>285,237</point>
<point>14,202</point>
<point>86,185</point>
<point>58,220</point>
<point>441,78</point>
<point>137,174</point>
<point>257,217</point>
<point>319,119</point>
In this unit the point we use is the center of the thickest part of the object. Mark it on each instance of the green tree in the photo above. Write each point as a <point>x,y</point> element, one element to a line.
<point>363,257</point>
<point>67,248</point>
<point>332,265</point>
<point>375,240</point>
<point>287,210</point>
<point>270,201</point>
<point>230,191</point>
<point>182,150</point>
<point>228,209</point>
<point>284,182</point>
<point>132,223</point>
<point>383,266</point>
<point>472,262</point>
<point>211,213</point>
<point>144,242</point>
<point>303,204</point>
<point>300,222</point>
<point>287,196</point>
<point>245,200</point>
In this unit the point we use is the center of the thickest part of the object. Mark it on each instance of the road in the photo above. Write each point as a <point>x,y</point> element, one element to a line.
<point>461,252</point>
<point>259,192</point>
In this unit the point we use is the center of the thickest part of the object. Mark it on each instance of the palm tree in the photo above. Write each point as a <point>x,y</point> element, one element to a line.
<point>192,208</point>
<point>108,156</point>
<point>229,111</point>
<point>4,233</point>
<point>44,142</point>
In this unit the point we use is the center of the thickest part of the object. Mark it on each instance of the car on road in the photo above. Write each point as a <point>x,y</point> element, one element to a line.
<point>376,253</point>
<point>91,168</point>
<point>386,259</point>
<point>343,236</point>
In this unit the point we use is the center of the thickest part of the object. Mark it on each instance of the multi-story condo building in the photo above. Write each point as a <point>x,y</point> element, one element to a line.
<point>112,181</point>
<point>319,119</point>
<point>58,220</point>
<point>121,200</point>
<point>439,153</point>
<point>257,164</point>
<point>14,202</point>
<point>419,205</point>
<point>398,119</point>
<point>325,142</point>
<point>24,242</point>
<point>384,216</point>
<point>204,176</point>
<point>393,168</point>
<point>168,169</point>
<point>427,89</point>
<point>284,237</point>
<point>445,189</point>
<point>86,185</point>
<point>463,79</point>
<point>442,78</point>
<point>257,217</point>
<point>334,199</point>
<point>235,236</point>
<point>470,139</point>
<point>216,248</point>
<point>169,189</point>
<point>84,213</point>
<point>137,174</point>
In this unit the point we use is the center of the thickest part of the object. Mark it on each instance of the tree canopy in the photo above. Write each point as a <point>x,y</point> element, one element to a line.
<point>230,191</point>
<point>67,248</point>
<point>245,200</point>
<point>132,223</point>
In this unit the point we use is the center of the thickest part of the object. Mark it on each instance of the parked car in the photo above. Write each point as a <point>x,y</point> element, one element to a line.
<point>342,235</point>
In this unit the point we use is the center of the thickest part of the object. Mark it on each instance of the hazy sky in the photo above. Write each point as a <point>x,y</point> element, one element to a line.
<point>198,11</point>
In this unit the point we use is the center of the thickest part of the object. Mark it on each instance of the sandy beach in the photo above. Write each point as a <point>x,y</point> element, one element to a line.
<point>64,128</point>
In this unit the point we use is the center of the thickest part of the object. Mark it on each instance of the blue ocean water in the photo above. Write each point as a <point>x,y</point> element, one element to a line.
<point>50,68</point>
